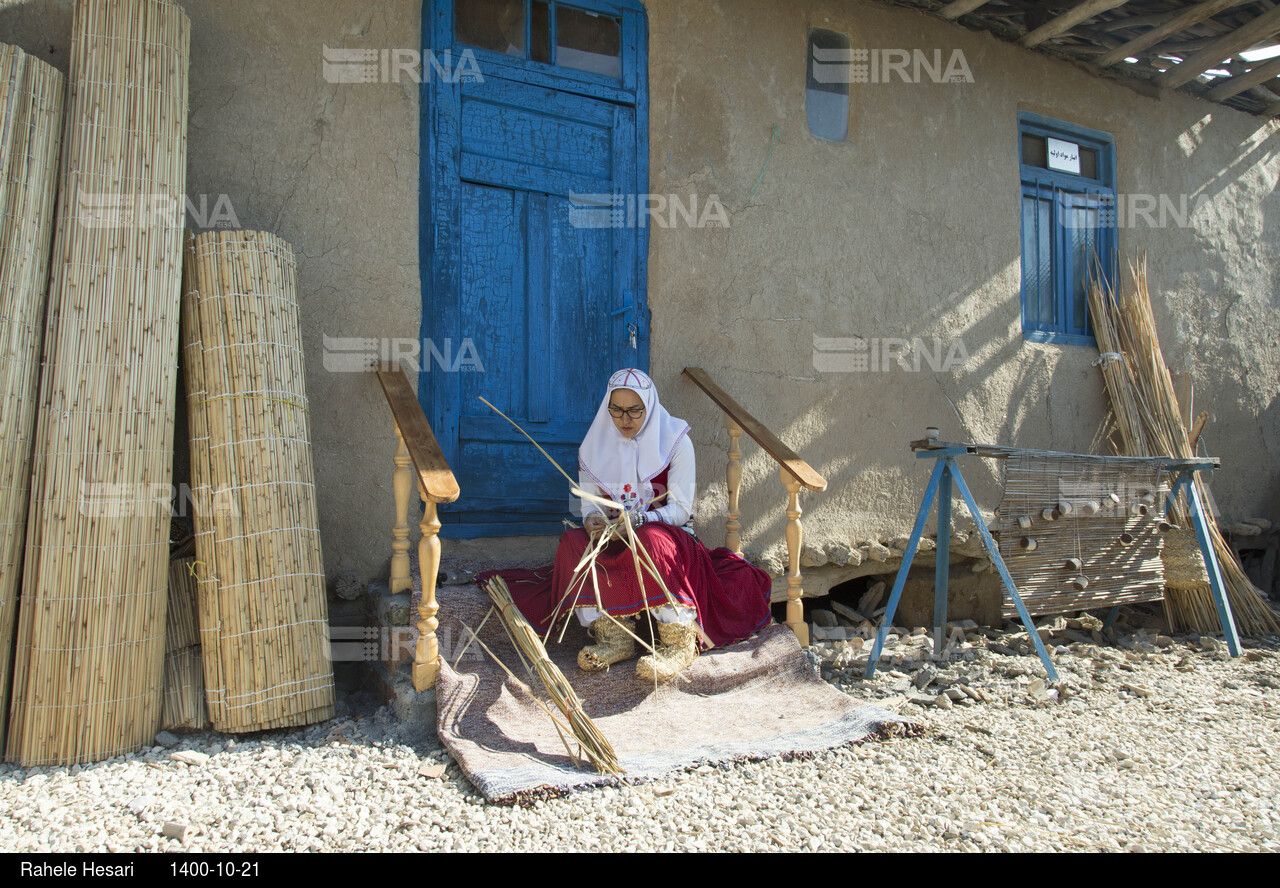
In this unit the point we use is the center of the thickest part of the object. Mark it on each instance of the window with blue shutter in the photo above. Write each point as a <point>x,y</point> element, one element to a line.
<point>1068,225</point>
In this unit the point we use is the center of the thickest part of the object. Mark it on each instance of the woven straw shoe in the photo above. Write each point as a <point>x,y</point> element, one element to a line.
<point>614,644</point>
<point>679,648</point>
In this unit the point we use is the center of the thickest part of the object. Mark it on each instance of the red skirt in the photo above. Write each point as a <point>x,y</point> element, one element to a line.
<point>729,594</point>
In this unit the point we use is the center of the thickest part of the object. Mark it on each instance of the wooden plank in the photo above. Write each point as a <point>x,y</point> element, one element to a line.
<point>1193,437</point>
<point>1061,24</point>
<point>1219,50</point>
<point>1238,84</point>
<point>434,475</point>
<point>954,10</point>
<point>1186,19</point>
<point>781,453</point>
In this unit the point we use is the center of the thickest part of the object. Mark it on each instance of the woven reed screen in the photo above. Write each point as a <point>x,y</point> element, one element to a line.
<point>90,643</point>
<point>32,98</point>
<point>1115,572</point>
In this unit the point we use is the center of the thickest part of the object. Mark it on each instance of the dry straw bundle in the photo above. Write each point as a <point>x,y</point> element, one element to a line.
<point>31,103</point>
<point>263,612</point>
<point>593,744</point>
<point>1150,424</point>
<point>90,643</point>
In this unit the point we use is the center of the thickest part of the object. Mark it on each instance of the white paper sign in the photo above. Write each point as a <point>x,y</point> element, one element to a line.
<point>1064,156</point>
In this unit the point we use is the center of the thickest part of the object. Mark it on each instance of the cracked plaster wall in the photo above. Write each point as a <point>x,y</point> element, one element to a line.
<point>909,228</point>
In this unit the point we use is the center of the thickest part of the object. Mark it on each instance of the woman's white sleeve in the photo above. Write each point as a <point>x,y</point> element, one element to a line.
<point>588,507</point>
<point>681,482</point>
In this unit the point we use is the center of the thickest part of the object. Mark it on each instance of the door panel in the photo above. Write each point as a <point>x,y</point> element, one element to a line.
<point>549,305</point>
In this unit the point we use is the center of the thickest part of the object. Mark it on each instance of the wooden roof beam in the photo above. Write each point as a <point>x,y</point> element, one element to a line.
<point>954,10</point>
<point>1189,17</point>
<point>1061,24</point>
<point>1232,86</point>
<point>1219,50</point>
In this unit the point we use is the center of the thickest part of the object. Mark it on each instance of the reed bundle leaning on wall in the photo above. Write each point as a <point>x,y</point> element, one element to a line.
<point>90,644</point>
<point>32,97</point>
<point>1150,424</point>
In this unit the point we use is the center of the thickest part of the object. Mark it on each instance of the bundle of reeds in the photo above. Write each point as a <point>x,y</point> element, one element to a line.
<point>1150,424</point>
<point>263,611</point>
<point>183,681</point>
<point>90,645</point>
<point>32,95</point>
<point>594,745</point>
<point>181,626</point>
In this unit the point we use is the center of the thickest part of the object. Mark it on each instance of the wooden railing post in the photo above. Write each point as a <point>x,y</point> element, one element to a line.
<point>402,485</point>
<point>436,484</point>
<point>795,473</point>
<point>733,475</point>
<point>795,537</point>
<point>426,658</point>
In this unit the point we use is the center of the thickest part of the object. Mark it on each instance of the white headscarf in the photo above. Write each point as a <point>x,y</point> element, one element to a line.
<point>623,467</point>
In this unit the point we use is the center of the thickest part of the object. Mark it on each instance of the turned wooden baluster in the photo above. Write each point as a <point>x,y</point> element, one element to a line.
<point>733,474</point>
<point>426,658</point>
<point>795,536</point>
<point>402,484</point>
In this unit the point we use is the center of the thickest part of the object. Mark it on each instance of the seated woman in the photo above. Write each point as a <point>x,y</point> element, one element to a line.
<point>640,457</point>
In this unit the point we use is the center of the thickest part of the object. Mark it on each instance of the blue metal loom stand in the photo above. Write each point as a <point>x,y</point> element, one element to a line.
<point>945,471</point>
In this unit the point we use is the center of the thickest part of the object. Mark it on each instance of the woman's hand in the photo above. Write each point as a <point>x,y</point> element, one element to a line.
<point>594,524</point>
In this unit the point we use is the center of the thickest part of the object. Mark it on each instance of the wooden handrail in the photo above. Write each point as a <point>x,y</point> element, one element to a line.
<point>417,446</point>
<point>793,472</point>
<point>434,475</point>
<point>768,441</point>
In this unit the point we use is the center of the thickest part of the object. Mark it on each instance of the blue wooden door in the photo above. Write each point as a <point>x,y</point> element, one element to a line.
<point>524,265</point>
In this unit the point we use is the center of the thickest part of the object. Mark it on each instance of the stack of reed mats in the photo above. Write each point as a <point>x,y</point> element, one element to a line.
<point>31,104</point>
<point>747,701</point>
<point>89,650</point>
<point>263,612</point>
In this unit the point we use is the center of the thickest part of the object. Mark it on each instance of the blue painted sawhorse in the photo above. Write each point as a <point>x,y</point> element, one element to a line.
<point>945,471</point>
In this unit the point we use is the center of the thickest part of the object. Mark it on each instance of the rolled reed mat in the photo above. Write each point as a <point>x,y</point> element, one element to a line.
<point>32,97</point>
<point>89,659</point>
<point>260,573</point>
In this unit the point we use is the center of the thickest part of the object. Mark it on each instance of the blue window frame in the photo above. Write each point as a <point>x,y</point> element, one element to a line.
<point>1068,225</point>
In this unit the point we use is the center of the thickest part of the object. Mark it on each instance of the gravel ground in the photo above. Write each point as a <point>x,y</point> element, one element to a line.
<point>1152,744</point>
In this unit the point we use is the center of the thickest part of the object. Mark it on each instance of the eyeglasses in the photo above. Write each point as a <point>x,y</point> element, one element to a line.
<point>632,412</point>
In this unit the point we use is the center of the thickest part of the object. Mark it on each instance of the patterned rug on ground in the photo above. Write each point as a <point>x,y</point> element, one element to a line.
<point>752,700</point>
